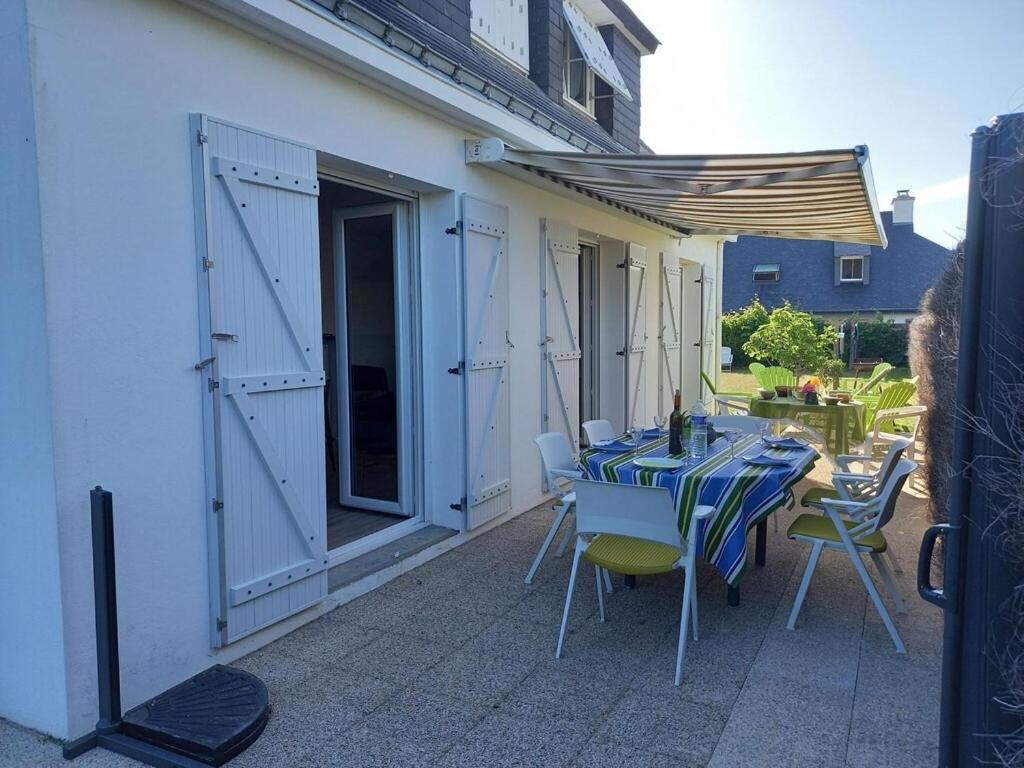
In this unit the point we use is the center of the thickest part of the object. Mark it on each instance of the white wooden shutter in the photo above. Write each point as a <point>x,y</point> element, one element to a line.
<point>709,326</point>
<point>503,25</point>
<point>670,340</point>
<point>486,360</point>
<point>636,334</point>
<point>260,320</point>
<point>561,281</point>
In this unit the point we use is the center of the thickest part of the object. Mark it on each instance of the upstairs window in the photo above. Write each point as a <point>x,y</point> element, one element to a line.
<point>588,64</point>
<point>767,273</point>
<point>502,27</point>
<point>577,77</point>
<point>851,269</point>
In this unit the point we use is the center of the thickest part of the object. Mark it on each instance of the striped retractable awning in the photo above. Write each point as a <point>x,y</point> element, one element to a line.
<point>827,195</point>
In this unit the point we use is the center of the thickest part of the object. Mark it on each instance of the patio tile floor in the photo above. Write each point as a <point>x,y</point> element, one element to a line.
<point>452,665</point>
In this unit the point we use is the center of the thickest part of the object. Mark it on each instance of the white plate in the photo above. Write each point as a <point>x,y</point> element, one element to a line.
<point>656,463</point>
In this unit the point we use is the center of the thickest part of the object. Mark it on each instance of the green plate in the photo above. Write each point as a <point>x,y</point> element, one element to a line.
<point>655,463</point>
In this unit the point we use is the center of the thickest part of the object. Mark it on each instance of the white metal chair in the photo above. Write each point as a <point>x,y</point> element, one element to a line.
<point>878,437</point>
<point>856,528</point>
<point>732,404</point>
<point>633,530</point>
<point>597,430</point>
<point>560,470</point>
<point>726,358</point>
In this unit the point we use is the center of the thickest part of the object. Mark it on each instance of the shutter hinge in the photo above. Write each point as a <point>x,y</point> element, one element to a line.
<point>201,138</point>
<point>222,624</point>
<point>218,505</point>
<point>457,370</point>
<point>203,363</point>
<point>224,336</point>
<point>621,265</point>
<point>456,230</point>
<point>207,264</point>
<point>212,384</point>
<point>459,505</point>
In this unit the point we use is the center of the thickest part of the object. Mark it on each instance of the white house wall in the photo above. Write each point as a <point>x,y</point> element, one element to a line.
<point>31,637</point>
<point>116,81</point>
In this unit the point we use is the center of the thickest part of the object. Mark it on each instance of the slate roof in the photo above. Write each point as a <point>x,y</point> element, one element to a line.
<point>484,66</point>
<point>899,275</point>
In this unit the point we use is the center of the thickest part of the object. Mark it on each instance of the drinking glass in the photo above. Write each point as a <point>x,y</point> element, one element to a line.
<point>637,433</point>
<point>731,435</point>
<point>660,422</point>
<point>766,432</point>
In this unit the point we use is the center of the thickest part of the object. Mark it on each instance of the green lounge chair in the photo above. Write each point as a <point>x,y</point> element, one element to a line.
<point>877,376</point>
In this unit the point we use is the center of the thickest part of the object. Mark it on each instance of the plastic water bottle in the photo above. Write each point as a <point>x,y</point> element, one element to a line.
<point>698,431</point>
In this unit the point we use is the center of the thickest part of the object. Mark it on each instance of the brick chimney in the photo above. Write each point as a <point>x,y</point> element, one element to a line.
<point>903,208</point>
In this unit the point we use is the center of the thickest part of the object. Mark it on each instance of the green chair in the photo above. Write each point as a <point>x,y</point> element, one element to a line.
<point>728,402</point>
<point>877,376</point>
<point>855,527</point>
<point>756,369</point>
<point>775,376</point>
<point>634,530</point>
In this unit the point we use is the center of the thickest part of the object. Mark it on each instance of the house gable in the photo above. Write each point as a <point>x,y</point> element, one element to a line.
<point>810,273</point>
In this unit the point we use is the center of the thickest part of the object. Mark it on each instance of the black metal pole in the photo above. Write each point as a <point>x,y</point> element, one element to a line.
<point>108,672</point>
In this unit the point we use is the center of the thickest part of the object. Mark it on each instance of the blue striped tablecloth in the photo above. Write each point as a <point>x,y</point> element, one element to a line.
<point>742,494</point>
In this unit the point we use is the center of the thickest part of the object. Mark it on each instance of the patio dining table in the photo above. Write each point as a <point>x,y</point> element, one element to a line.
<point>743,495</point>
<point>841,424</point>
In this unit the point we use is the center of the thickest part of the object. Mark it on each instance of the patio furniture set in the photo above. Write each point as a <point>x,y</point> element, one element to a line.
<point>638,511</point>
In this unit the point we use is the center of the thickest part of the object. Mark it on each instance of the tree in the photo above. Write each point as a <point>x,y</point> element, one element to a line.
<point>791,339</point>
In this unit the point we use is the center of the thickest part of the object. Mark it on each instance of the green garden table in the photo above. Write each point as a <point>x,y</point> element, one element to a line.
<point>841,425</point>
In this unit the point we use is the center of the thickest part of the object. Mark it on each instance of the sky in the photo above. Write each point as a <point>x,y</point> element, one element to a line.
<point>909,78</point>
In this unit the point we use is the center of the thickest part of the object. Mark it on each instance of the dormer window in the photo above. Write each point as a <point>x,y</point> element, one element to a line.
<point>587,61</point>
<point>851,269</point>
<point>578,78</point>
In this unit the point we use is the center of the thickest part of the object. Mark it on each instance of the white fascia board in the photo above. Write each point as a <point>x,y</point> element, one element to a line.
<point>314,33</point>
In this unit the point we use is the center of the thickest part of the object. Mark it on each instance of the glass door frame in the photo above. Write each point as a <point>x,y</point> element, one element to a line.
<point>590,373</point>
<point>404,305</point>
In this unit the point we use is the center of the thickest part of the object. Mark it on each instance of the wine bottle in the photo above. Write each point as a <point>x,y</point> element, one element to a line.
<point>675,425</point>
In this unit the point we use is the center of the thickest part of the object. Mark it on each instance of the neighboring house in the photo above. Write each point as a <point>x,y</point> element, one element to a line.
<point>267,279</point>
<point>838,280</point>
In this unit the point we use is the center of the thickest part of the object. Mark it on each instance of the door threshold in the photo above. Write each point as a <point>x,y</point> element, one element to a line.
<point>360,547</point>
<point>387,555</point>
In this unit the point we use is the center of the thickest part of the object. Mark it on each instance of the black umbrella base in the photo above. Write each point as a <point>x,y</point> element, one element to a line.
<point>206,720</point>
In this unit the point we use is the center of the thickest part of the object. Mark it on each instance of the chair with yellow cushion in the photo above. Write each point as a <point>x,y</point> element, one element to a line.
<point>859,486</point>
<point>633,530</point>
<point>855,527</point>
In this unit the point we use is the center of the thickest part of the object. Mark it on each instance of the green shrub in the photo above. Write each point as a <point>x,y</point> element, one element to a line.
<point>883,338</point>
<point>934,354</point>
<point>738,326</point>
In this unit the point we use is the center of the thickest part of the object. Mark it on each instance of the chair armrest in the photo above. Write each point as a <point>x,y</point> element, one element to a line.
<point>852,509</point>
<point>703,511</point>
<point>900,413</point>
<point>572,474</point>
<point>852,477</point>
<point>845,505</point>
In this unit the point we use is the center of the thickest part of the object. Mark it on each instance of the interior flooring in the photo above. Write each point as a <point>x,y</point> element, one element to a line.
<point>346,524</point>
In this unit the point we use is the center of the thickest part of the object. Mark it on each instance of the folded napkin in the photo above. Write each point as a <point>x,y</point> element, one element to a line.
<point>784,442</point>
<point>613,445</point>
<point>766,461</point>
<point>652,432</point>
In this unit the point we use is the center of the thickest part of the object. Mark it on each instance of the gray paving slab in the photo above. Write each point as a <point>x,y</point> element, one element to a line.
<point>453,664</point>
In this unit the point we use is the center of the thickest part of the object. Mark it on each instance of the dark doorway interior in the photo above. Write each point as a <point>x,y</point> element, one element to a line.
<point>360,407</point>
